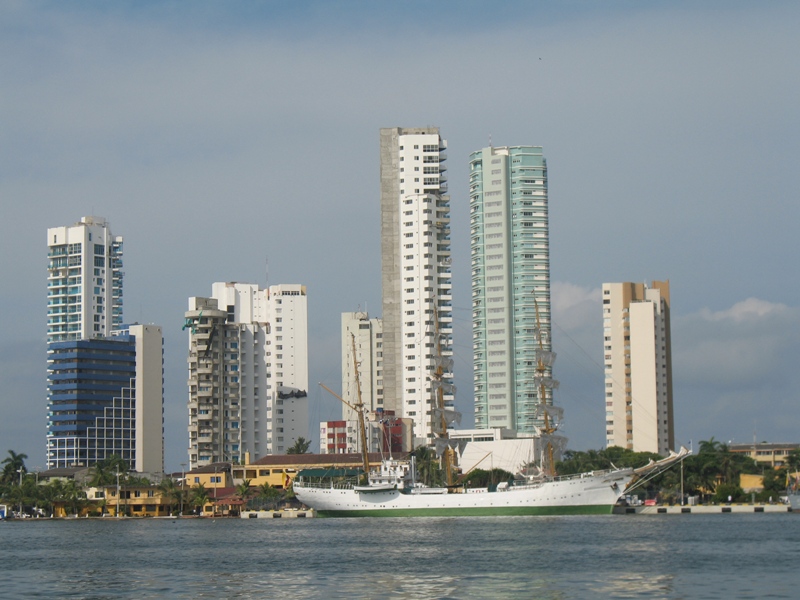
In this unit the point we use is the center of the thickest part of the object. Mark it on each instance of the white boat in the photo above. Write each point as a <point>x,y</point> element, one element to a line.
<point>394,490</point>
<point>587,493</point>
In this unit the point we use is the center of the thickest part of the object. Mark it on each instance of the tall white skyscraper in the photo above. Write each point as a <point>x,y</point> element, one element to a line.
<point>415,271</point>
<point>509,235</point>
<point>638,366</point>
<point>84,281</point>
<point>248,371</point>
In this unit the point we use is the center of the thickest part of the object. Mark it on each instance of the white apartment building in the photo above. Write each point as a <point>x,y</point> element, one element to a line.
<point>415,272</point>
<point>84,281</point>
<point>368,337</point>
<point>248,371</point>
<point>638,366</point>
<point>510,254</point>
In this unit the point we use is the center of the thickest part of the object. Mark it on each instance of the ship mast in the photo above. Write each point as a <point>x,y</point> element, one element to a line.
<point>548,427</point>
<point>358,407</point>
<point>438,376</point>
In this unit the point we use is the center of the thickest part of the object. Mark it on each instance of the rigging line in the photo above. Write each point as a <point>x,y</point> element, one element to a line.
<point>622,384</point>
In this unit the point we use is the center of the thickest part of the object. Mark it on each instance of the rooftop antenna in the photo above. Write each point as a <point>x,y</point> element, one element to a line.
<point>266,271</point>
<point>490,140</point>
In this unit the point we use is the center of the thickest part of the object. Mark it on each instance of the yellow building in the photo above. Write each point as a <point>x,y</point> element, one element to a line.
<point>279,470</point>
<point>767,455</point>
<point>213,476</point>
<point>136,501</point>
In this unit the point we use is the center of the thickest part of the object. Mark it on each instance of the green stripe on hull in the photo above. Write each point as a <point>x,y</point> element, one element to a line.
<point>598,509</point>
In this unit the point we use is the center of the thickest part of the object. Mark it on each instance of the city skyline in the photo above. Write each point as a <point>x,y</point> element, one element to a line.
<point>175,128</point>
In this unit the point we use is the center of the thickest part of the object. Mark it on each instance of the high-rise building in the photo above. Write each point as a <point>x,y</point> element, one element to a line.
<point>638,366</point>
<point>248,372</point>
<point>106,397</point>
<point>510,283</point>
<point>84,281</point>
<point>367,336</point>
<point>415,272</point>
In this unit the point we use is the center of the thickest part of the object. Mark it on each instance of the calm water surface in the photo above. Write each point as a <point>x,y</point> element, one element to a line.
<point>667,556</point>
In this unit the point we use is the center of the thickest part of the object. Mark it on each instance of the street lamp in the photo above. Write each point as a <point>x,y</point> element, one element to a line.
<point>183,485</point>
<point>118,496</point>
<point>20,471</point>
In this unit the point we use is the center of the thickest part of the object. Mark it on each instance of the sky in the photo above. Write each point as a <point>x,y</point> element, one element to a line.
<point>238,141</point>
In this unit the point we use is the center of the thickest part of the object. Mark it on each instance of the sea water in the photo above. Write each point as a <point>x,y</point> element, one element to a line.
<point>614,556</point>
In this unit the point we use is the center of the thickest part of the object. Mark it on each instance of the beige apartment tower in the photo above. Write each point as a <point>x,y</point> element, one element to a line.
<point>638,366</point>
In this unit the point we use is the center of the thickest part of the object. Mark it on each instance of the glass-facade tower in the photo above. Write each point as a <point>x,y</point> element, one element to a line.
<point>510,253</point>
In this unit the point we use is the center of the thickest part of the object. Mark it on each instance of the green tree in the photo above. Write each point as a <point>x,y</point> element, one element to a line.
<point>729,490</point>
<point>300,446</point>
<point>478,478</point>
<point>104,472</point>
<point>199,497</point>
<point>172,493</point>
<point>793,461</point>
<point>73,497</point>
<point>269,496</point>
<point>50,493</point>
<point>11,464</point>
<point>774,482</point>
<point>243,490</point>
<point>429,471</point>
<point>137,481</point>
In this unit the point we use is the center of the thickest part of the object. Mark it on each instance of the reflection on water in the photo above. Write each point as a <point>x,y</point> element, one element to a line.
<point>707,556</point>
<point>634,585</point>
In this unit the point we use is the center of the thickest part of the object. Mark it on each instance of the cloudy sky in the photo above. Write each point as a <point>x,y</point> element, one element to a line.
<point>238,141</point>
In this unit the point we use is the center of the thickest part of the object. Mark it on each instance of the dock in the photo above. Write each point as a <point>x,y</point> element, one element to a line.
<point>702,509</point>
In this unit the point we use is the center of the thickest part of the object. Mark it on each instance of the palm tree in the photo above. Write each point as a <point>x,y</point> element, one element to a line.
<point>711,446</point>
<point>170,492</point>
<point>11,465</point>
<point>73,497</point>
<point>301,446</point>
<point>50,494</point>
<point>427,467</point>
<point>199,497</point>
<point>243,489</point>
<point>269,495</point>
<point>104,472</point>
<point>793,461</point>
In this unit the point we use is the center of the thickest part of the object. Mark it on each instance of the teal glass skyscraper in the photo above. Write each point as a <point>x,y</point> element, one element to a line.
<point>510,282</point>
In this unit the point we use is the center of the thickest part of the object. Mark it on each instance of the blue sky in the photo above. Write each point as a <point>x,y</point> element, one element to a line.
<point>217,137</point>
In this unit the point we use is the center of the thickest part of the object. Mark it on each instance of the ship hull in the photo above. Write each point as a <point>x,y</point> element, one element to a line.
<point>587,494</point>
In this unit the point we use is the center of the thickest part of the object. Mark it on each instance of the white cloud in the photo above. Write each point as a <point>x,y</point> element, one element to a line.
<point>750,309</point>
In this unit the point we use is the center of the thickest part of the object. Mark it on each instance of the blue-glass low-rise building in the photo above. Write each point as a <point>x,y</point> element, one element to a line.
<point>105,397</point>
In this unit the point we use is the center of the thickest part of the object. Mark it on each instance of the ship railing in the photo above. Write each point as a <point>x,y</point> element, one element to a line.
<point>598,473</point>
<point>538,482</point>
<point>325,485</point>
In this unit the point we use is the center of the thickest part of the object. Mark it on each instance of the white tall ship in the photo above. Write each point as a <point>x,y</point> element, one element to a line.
<point>394,490</point>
